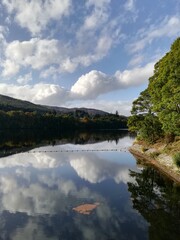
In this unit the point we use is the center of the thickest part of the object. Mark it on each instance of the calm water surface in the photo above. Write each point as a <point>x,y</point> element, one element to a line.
<point>40,188</point>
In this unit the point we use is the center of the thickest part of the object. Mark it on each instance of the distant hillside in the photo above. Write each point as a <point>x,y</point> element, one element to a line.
<point>18,114</point>
<point>9,103</point>
<point>90,111</point>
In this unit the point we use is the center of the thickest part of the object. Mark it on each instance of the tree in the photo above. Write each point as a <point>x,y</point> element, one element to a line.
<point>164,89</point>
<point>143,119</point>
<point>156,111</point>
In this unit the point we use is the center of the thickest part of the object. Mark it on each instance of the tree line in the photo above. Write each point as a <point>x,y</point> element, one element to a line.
<point>58,122</point>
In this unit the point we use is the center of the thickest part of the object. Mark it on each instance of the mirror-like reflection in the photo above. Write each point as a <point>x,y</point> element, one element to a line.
<point>158,201</point>
<point>12,142</point>
<point>39,190</point>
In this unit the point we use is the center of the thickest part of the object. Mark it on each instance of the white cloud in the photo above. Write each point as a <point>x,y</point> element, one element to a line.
<point>3,43</point>
<point>95,20</point>
<point>35,15</point>
<point>95,83</point>
<point>3,32</point>
<point>97,17</point>
<point>49,94</point>
<point>10,68</point>
<point>136,60</point>
<point>169,27</point>
<point>34,198</point>
<point>91,38</point>
<point>129,5</point>
<point>97,4</point>
<point>135,76</point>
<point>123,107</point>
<point>92,84</point>
<point>88,86</point>
<point>36,53</point>
<point>51,71</point>
<point>96,170</point>
<point>25,79</point>
<point>69,65</point>
<point>59,57</point>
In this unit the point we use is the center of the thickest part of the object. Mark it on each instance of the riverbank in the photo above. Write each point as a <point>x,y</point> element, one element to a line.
<point>160,155</point>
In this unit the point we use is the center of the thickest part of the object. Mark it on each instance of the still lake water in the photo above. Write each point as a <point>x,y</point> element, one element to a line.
<point>40,188</point>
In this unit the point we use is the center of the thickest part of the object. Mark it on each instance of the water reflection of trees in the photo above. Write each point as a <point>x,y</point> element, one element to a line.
<point>158,201</point>
<point>18,141</point>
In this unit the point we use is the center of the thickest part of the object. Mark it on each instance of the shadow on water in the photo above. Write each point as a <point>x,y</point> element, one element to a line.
<point>24,140</point>
<point>157,199</point>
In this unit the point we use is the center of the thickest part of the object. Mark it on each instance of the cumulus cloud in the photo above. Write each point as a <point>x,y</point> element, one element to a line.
<point>49,94</point>
<point>87,87</point>
<point>39,197</point>
<point>35,198</point>
<point>96,170</point>
<point>46,157</point>
<point>10,68</point>
<point>35,15</point>
<point>135,76</point>
<point>36,53</point>
<point>58,56</point>
<point>94,83</point>
<point>35,160</point>
<point>91,38</point>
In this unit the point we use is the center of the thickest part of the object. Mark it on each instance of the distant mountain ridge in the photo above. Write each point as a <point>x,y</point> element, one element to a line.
<point>8,104</point>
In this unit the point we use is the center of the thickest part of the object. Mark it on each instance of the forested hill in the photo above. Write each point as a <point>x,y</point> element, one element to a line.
<point>13,104</point>
<point>10,104</point>
<point>18,114</point>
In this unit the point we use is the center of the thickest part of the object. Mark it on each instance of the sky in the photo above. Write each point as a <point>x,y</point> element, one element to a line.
<point>86,53</point>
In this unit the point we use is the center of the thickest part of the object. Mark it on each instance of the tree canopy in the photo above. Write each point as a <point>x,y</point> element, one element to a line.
<point>156,112</point>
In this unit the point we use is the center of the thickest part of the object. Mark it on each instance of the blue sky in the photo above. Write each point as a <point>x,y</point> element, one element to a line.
<point>85,53</point>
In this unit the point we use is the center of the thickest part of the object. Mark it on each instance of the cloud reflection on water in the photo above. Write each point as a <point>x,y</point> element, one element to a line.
<point>36,184</point>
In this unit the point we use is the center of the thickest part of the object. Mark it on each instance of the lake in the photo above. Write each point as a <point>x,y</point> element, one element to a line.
<point>87,187</point>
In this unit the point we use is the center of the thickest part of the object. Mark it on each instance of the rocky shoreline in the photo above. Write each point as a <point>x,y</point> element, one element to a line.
<point>157,157</point>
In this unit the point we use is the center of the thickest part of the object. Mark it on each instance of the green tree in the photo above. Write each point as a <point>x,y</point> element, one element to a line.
<point>143,119</point>
<point>164,88</point>
<point>156,112</point>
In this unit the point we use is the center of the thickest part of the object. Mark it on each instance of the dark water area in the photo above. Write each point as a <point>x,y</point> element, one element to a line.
<point>43,181</point>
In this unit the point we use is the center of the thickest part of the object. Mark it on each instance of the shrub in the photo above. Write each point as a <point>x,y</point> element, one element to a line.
<point>176,159</point>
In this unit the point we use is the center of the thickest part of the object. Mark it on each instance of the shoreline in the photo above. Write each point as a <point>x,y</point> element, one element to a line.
<point>164,163</point>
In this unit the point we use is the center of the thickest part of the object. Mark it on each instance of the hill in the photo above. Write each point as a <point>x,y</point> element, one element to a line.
<point>18,114</point>
<point>9,104</point>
